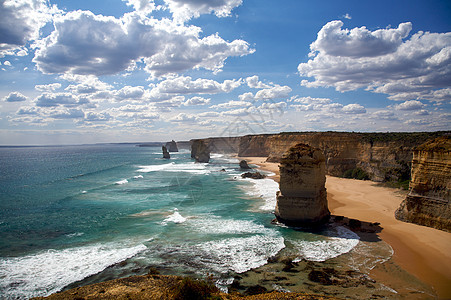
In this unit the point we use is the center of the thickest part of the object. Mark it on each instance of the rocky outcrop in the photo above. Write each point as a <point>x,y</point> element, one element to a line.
<point>200,151</point>
<point>428,201</point>
<point>165,152</point>
<point>253,175</point>
<point>244,165</point>
<point>172,146</point>
<point>302,197</point>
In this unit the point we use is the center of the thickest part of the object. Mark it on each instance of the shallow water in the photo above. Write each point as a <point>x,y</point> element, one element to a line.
<point>82,214</point>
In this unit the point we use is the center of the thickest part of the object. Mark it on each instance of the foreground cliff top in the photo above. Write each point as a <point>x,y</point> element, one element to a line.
<point>441,144</point>
<point>164,287</point>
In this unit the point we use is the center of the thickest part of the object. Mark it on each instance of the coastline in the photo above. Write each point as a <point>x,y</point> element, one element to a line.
<point>421,251</point>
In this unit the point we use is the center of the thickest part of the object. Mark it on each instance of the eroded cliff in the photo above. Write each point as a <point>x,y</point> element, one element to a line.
<point>428,201</point>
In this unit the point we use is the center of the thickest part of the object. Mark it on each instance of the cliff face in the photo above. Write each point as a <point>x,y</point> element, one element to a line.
<point>428,201</point>
<point>302,197</point>
<point>383,156</point>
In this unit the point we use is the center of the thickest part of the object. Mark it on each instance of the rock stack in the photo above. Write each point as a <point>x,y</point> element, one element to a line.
<point>428,201</point>
<point>302,199</point>
<point>200,151</point>
<point>172,146</point>
<point>165,152</point>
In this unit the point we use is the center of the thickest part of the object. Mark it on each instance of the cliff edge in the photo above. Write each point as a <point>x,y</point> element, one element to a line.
<point>428,201</point>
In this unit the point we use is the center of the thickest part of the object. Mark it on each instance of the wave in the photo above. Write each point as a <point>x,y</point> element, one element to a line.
<point>120,182</point>
<point>48,272</point>
<point>176,218</point>
<point>338,240</point>
<point>265,189</point>
<point>191,167</point>
<point>138,177</point>
<point>216,225</point>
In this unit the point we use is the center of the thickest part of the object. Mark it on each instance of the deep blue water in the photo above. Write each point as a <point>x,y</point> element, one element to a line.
<point>96,212</point>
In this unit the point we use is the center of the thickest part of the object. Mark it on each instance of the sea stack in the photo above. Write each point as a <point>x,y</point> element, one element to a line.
<point>200,151</point>
<point>428,201</point>
<point>165,152</point>
<point>302,199</point>
<point>244,165</point>
<point>172,146</point>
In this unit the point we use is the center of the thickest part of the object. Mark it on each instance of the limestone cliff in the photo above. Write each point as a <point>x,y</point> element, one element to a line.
<point>302,197</point>
<point>428,201</point>
<point>200,151</point>
<point>383,156</point>
<point>165,152</point>
<point>172,146</point>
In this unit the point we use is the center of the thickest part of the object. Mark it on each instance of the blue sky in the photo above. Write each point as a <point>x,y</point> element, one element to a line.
<point>153,70</point>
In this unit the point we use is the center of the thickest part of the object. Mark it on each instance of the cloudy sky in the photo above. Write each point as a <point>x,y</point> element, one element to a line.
<point>153,70</point>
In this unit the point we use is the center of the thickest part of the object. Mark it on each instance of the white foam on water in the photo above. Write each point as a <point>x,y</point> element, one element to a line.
<point>84,192</point>
<point>176,218</point>
<point>263,188</point>
<point>191,167</point>
<point>138,177</point>
<point>242,253</point>
<point>215,225</point>
<point>120,182</point>
<point>48,272</point>
<point>338,240</point>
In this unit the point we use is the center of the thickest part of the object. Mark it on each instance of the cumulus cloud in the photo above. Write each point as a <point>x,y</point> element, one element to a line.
<point>97,116</point>
<point>410,105</point>
<point>67,113</point>
<point>383,61</point>
<point>130,93</point>
<point>182,118</point>
<point>186,85</point>
<point>88,44</point>
<point>183,10</point>
<point>57,99</point>
<point>20,22</point>
<point>15,97</point>
<point>254,83</point>
<point>144,6</point>
<point>197,101</point>
<point>273,92</point>
<point>231,104</point>
<point>48,87</point>
<point>354,109</point>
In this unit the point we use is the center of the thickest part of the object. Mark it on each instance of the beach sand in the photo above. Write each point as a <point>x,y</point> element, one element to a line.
<point>421,251</point>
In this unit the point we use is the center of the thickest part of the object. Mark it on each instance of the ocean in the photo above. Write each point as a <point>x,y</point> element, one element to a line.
<point>74,215</point>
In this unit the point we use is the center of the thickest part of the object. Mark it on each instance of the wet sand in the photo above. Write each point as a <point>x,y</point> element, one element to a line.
<point>421,251</point>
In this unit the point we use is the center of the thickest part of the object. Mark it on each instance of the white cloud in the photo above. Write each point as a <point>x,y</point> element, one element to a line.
<point>273,92</point>
<point>47,87</point>
<point>382,61</point>
<point>88,44</point>
<point>354,109</point>
<point>232,104</point>
<point>182,118</point>
<point>130,93</point>
<point>384,115</point>
<point>144,6</point>
<point>7,63</point>
<point>410,105</point>
<point>254,83</point>
<point>20,23</point>
<point>246,96</point>
<point>185,85</point>
<point>97,116</point>
<point>197,101</point>
<point>310,100</point>
<point>67,113</point>
<point>57,99</point>
<point>15,97</point>
<point>28,110</point>
<point>183,10</point>
<point>347,16</point>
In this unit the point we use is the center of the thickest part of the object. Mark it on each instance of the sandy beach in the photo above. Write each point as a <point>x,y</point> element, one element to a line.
<point>421,251</point>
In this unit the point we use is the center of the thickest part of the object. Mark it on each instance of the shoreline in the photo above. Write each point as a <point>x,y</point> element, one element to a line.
<point>421,251</point>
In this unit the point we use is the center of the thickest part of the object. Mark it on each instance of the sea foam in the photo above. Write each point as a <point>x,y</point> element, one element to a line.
<point>337,241</point>
<point>190,167</point>
<point>176,217</point>
<point>120,182</point>
<point>48,272</point>
<point>265,189</point>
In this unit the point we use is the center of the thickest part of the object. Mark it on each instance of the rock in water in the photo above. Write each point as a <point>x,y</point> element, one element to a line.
<point>244,165</point>
<point>200,151</point>
<point>302,199</point>
<point>165,152</point>
<point>255,175</point>
<point>172,146</point>
<point>428,201</point>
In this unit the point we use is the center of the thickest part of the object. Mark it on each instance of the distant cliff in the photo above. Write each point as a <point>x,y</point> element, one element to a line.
<point>382,156</point>
<point>428,201</point>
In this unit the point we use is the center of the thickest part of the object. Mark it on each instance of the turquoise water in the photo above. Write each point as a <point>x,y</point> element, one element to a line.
<point>81,214</point>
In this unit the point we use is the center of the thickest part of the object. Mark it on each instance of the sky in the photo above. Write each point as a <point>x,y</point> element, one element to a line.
<point>75,72</point>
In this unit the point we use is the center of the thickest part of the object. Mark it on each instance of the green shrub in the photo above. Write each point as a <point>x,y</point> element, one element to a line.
<point>356,173</point>
<point>191,289</point>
